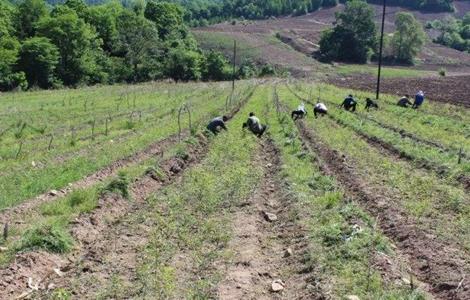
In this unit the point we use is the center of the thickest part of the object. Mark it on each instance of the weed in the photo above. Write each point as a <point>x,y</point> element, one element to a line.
<point>60,294</point>
<point>49,237</point>
<point>119,185</point>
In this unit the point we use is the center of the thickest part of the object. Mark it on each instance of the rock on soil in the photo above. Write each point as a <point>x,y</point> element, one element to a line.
<point>270,217</point>
<point>277,285</point>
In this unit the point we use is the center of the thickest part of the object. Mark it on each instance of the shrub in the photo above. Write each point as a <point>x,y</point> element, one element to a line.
<point>442,72</point>
<point>49,237</point>
<point>119,185</point>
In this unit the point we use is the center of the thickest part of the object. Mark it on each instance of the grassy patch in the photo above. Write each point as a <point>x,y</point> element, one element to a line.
<point>50,237</point>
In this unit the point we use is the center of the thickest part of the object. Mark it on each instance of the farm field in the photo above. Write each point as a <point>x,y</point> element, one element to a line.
<point>107,194</point>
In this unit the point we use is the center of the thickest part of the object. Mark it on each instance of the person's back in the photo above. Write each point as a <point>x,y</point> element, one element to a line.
<point>419,99</point>
<point>216,123</point>
<point>404,101</point>
<point>255,126</point>
<point>320,108</point>
<point>349,103</point>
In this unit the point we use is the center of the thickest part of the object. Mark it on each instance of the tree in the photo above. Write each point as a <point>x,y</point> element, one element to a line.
<point>38,59</point>
<point>28,14</point>
<point>138,43</point>
<point>9,50</point>
<point>104,19</point>
<point>167,17</point>
<point>183,64</point>
<point>409,37</point>
<point>215,66</point>
<point>355,35</point>
<point>6,22</point>
<point>78,45</point>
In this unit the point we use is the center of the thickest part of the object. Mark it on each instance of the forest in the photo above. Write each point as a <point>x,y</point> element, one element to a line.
<point>74,44</point>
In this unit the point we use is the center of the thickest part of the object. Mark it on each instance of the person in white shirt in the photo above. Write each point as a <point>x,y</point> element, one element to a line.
<point>320,109</point>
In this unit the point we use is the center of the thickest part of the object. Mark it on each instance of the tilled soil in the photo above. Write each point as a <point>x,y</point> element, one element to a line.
<point>451,89</point>
<point>108,239</point>
<point>18,213</point>
<point>269,245</point>
<point>440,265</point>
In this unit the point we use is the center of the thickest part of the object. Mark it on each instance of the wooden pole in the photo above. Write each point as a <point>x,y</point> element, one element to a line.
<point>381,50</point>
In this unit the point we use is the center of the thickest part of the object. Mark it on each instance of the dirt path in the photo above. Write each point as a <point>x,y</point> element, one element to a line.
<point>264,230</point>
<point>440,265</point>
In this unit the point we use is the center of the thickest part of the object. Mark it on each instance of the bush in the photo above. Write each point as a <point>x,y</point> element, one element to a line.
<point>119,186</point>
<point>442,72</point>
<point>49,237</point>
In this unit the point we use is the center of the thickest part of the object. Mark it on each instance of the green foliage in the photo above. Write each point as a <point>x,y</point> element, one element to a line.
<point>454,33</point>
<point>78,45</point>
<point>49,237</point>
<point>184,65</point>
<point>9,54</point>
<point>168,17</point>
<point>29,13</point>
<point>408,39</point>
<point>119,185</point>
<point>216,67</point>
<point>38,59</point>
<point>354,36</point>
<point>6,20</point>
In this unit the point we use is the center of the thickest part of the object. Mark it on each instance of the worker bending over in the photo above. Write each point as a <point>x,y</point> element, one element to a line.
<point>349,103</point>
<point>254,125</point>
<point>299,113</point>
<point>320,109</point>
<point>217,124</point>
<point>404,101</point>
<point>371,104</point>
<point>419,99</point>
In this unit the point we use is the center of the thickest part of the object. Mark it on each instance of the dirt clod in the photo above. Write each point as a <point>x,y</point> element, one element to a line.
<point>277,285</point>
<point>270,217</point>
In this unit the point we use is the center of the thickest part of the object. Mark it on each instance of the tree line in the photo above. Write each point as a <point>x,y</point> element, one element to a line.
<point>454,33</point>
<point>354,38</point>
<point>74,44</point>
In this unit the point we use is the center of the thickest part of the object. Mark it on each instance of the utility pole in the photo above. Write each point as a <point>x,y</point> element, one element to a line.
<point>234,62</point>
<point>381,49</point>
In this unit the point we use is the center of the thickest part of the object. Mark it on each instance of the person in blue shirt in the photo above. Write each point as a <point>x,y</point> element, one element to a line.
<point>217,124</point>
<point>349,104</point>
<point>419,99</point>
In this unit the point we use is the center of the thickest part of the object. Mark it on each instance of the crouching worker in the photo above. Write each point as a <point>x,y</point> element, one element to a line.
<point>217,124</point>
<point>320,109</point>
<point>371,104</point>
<point>349,104</point>
<point>419,99</point>
<point>404,101</point>
<point>299,113</point>
<point>254,125</point>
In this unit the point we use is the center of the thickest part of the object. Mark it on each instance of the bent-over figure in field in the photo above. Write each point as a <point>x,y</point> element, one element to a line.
<point>299,113</point>
<point>254,125</point>
<point>217,124</point>
<point>320,109</point>
<point>349,104</point>
<point>371,104</point>
<point>419,99</point>
<point>404,101</point>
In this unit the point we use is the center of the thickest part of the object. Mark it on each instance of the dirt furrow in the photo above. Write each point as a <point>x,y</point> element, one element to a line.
<point>108,239</point>
<point>17,213</point>
<point>396,153</point>
<point>440,265</point>
<point>268,244</point>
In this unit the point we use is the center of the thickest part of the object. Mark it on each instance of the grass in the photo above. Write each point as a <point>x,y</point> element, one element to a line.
<point>425,197</point>
<point>387,72</point>
<point>192,228</point>
<point>343,239</point>
<point>38,169</point>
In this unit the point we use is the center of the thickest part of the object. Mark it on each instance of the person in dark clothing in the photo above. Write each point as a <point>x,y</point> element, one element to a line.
<point>254,125</point>
<point>371,104</point>
<point>419,99</point>
<point>404,101</point>
<point>299,113</point>
<point>349,104</point>
<point>217,124</point>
